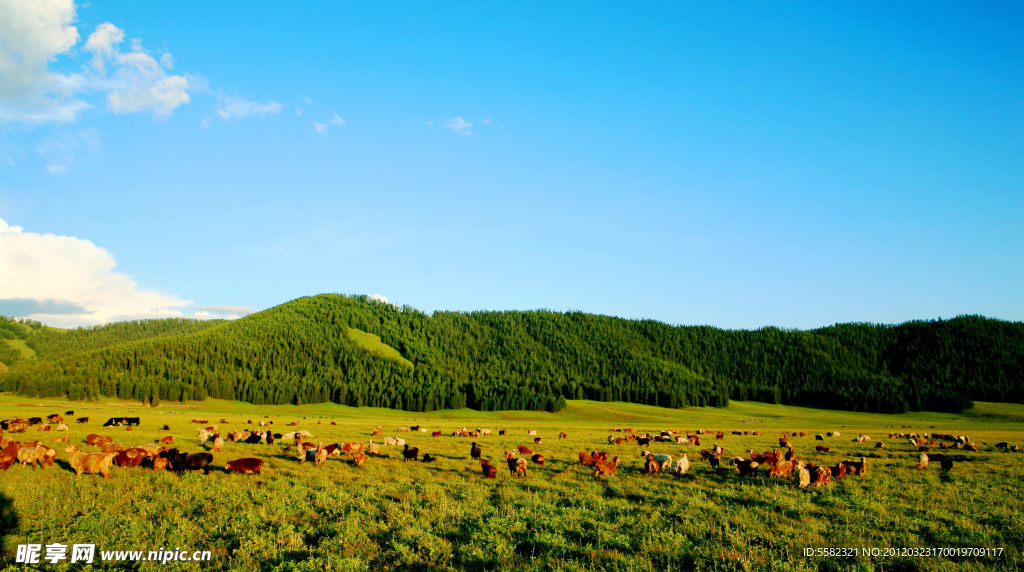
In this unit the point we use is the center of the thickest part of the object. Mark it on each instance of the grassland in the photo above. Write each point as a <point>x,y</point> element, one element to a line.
<point>26,352</point>
<point>372,342</point>
<point>393,515</point>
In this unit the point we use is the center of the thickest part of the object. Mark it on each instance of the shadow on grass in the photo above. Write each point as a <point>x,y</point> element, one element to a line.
<point>9,523</point>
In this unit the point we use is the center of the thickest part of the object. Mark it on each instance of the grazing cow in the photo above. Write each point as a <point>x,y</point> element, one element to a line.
<point>821,448</point>
<point>801,476</point>
<point>714,461</point>
<point>781,469</point>
<point>359,458</point>
<point>790,454</point>
<point>1002,445</point>
<point>819,437</point>
<point>113,448</point>
<point>218,444</point>
<point>563,435</point>
<point>31,455</point>
<point>922,461</point>
<point>587,459</point>
<point>651,466</point>
<point>63,439</point>
<point>783,442</point>
<point>858,468</point>
<point>373,448</point>
<point>246,466</point>
<point>524,450</point>
<point>435,434</point>
<point>320,457</point>
<point>538,460</point>
<point>489,470</point>
<point>130,457</point>
<point>352,448</point>
<point>376,433</point>
<point>531,433</point>
<point>744,466</point>
<point>662,459</point>
<point>82,420</point>
<point>55,418</point>
<point>606,468</point>
<point>971,447</point>
<point>403,429</point>
<point>879,445</point>
<point>254,439</point>
<point>820,476</point>
<point>181,462</point>
<point>683,465</point>
<point>475,451</point>
<point>35,420</point>
<point>643,441</point>
<point>536,440</point>
<point>410,453</point>
<point>946,464</point>
<point>90,462</point>
<point>516,465</point>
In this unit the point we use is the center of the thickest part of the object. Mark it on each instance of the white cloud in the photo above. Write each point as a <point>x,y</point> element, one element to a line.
<point>458,125</point>
<point>381,298</point>
<point>337,120</point>
<point>487,121</point>
<point>33,33</point>
<point>139,82</point>
<point>229,312</point>
<point>237,107</point>
<point>78,273</point>
<point>321,128</point>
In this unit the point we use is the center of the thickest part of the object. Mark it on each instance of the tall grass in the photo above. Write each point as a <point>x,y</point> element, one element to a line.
<point>396,515</point>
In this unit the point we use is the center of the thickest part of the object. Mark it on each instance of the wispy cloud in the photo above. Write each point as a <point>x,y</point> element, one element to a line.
<point>237,108</point>
<point>59,150</point>
<point>321,128</point>
<point>458,125</point>
<point>229,312</point>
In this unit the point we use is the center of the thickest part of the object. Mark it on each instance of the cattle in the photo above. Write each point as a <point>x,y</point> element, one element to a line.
<point>790,454</point>
<point>254,439</point>
<point>410,453</point>
<point>879,445</point>
<point>427,458</point>
<point>130,457</point>
<point>181,462</point>
<point>218,444</point>
<point>54,419</point>
<point>320,456</point>
<point>516,465</point>
<point>1002,445</point>
<point>82,420</point>
<point>373,448</point>
<point>781,469</point>
<point>858,468</point>
<point>35,420</point>
<point>586,459</point>
<point>563,435</point>
<point>651,466</point>
<point>63,439</point>
<point>435,434</point>
<point>714,461</point>
<point>95,463</point>
<point>244,466</point>
<point>538,460</point>
<point>662,459</point>
<point>359,458</point>
<point>946,464</point>
<point>474,451</point>
<point>531,433</point>
<point>113,448</point>
<point>971,447</point>
<point>820,476</point>
<point>524,450</point>
<point>352,448</point>
<point>744,466</point>
<point>819,437</point>
<point>606,468</point>
<point>821,449</point>
<point>682,465</point>
<point>121,421</point>
<point>31,455</point>
<point>536,440</point>
<point>403,429</point>
<point>69,413</point>
<point>489,470</point>
<point>922,461</point>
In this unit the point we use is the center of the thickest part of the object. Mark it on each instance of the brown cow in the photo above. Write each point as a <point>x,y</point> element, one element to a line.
<point>244,466</point>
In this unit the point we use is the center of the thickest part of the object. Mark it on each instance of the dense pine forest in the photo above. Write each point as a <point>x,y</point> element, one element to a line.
<point>300,352</point>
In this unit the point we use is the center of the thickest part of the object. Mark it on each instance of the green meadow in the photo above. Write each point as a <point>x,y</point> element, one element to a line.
<point>394,515</point>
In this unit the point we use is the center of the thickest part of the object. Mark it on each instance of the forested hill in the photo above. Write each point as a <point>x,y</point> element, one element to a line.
<point>301,352</point>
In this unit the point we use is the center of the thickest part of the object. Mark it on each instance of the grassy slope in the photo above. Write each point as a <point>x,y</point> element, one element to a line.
<point>372,342</point>
<point>26,352</point>
<point>390,515</point>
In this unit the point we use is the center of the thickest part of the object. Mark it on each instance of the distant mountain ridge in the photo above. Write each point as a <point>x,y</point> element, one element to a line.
<point>323,348</point>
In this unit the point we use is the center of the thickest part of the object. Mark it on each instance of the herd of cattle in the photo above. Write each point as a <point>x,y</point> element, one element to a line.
<point>780,462</point>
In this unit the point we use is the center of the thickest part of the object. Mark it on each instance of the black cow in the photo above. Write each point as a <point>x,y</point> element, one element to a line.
<point>119,421</point>
<point>254,439</point>
<point>181,462</point>
<point>69,413</point>
<point>82,420</point>
<point>35,420</point>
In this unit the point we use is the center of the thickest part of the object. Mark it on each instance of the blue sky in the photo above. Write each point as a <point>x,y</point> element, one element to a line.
<point>780,164</point>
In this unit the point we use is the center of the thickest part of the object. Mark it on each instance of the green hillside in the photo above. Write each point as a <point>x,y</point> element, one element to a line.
<point>355,351</point>
<point>372,343</point>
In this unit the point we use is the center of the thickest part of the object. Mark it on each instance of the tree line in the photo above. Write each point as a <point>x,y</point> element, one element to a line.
<point>299,352</point>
